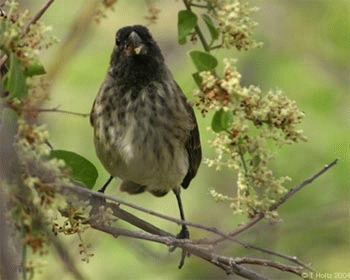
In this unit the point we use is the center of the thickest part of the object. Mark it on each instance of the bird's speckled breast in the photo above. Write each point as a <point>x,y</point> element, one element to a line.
<point>138,138</point>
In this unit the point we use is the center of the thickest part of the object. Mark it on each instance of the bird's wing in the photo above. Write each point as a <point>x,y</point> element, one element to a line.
<point>92,114</point>
<point>193,147</point>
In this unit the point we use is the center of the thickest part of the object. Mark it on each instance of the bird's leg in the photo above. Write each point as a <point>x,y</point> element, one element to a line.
<point>184,233</point>
<point>102,190</point>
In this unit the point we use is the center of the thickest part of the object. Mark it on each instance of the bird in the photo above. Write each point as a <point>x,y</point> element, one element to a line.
<point>145,130</point>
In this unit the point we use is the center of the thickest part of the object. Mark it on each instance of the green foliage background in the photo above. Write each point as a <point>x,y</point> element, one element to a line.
<point>306,53</point>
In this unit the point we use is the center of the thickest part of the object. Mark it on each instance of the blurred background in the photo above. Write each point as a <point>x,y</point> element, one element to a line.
<point>306,53</point>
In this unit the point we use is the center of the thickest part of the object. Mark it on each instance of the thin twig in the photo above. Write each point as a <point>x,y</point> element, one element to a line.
<point>68,262</point>
<point>56,110</point>
<point>283,267</point>
<point>292,259</point>
<point>248,225</point>
<point>47,110</point>
<point>241,155</point>
<point>302,185</point>
<point>216,47</point>
<point>277,204</point>
<point>36,17</point>
<point>198,30</point>
<point>273,207</point>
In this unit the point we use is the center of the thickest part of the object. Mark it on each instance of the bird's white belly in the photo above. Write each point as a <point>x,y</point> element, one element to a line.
<point>155,167</point>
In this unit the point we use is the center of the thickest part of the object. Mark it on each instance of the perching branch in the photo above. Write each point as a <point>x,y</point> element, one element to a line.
<point>132,219</point>
<point>283,199</point>
<point>206,241</point>
<point>37,16</point>
<point>76,194</point>
<point>246,260</point>
<point>308,181</point>
<point>204,250</point>
<point>273,207</point>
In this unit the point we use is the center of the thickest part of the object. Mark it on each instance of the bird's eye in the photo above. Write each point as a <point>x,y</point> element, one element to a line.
<point>117,41</point>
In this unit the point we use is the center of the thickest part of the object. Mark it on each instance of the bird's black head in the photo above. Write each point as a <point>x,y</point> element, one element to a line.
<point>135,52</point>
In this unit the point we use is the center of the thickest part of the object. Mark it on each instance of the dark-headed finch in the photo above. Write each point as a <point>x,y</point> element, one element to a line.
<point>145,132</point>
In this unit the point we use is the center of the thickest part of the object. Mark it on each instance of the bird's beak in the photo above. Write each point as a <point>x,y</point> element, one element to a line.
<point>135,45</point>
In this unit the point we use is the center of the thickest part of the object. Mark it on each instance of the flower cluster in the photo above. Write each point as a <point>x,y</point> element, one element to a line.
<point>35,201</point>
<point>218,93</point>
<point>235,23</point>
<point>276,110</point>
<point>75,224</point>
<point>252,121</point>
<point>16,38</point>
<point>153,12</point>
<point>102,9</point>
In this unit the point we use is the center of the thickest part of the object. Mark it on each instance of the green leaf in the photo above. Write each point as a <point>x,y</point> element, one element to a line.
<point>211,26</point>
<point>256,161</point>
<point>203,61</point>
<point>83,171</point>
<point>186,22</point>
<point>15,80</point>
<point>221,121</point>
<point>34,69</point>
<point>198,79</point>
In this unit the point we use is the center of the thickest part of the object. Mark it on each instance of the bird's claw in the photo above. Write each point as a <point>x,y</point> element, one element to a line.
<point>183,234</point>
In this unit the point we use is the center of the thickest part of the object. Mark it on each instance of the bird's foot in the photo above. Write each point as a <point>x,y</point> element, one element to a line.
<point>183,234</point>
<point>103,188</point>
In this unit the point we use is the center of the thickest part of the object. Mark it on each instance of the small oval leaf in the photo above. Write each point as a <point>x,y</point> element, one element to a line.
<point>186,22</point>
<point>256,161</point>
<point>198,79</point>
<point>214,33</point>
<point>203,61</point>
<point>83,171</point>
<point>221,121</point>
<point>34,69</point>
<point>15,80</point>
